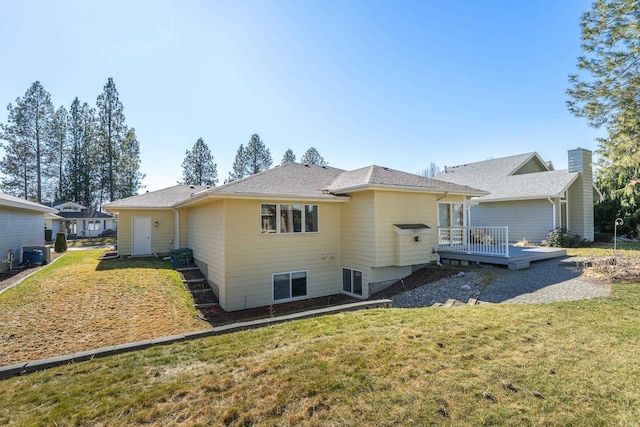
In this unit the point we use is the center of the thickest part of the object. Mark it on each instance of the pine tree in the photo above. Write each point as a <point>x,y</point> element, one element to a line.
<point>81,172</point>
<point>59,151</point>
<point>238,168</point>
<point>129,177</point>
<point>27,134</point>
<point>606,94</point>
<point>312,157</point>
<point>111,134</point>
<point>198,167</point>
<point>257,156</point>
<point>288,157</point>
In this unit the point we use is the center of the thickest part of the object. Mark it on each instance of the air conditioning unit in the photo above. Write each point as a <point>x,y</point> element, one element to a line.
<point>39,254</point>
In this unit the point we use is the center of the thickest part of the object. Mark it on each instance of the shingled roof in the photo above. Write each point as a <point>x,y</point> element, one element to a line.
<point>16,202</point>
<point>378,176</point>
<point>294,180</point>
<point>504,179</point>
<point>164,198</point>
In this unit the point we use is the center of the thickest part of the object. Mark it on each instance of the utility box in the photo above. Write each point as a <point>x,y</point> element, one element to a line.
<point>44,257</point>
<point>181,257</point>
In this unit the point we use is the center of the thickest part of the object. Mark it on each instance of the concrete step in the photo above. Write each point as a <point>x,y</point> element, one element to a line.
<point>519,265</point>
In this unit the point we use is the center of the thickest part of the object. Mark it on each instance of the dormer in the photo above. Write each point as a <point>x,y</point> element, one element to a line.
<point>70,207</point>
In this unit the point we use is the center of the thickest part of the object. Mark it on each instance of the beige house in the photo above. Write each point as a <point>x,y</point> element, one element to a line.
<point>21,224</point>
<point>296,231</point>
<point>530,197</point>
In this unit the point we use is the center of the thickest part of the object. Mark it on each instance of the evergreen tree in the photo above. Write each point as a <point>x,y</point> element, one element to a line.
<point>288,157</point>
<point>312,157</point>
<point>129,176</point>
<point>238,168</point>
<point>59,151</point>
<point>606,94</point>
<point>82,174</point>
<point>198,167</point>
<point>111,134</point>
<point>27,134</point>
<point>257,156</point>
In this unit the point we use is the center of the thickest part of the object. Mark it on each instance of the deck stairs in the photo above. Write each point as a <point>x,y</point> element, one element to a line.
<point>197,285</point>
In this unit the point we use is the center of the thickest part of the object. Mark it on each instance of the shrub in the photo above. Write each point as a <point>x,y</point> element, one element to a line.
<point>60,244</point>
<point>561,238</point>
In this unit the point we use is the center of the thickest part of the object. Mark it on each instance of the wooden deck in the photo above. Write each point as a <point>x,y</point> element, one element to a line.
<point>519,257</point>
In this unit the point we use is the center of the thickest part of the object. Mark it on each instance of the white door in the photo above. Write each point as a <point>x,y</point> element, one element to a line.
<point>141,236</point>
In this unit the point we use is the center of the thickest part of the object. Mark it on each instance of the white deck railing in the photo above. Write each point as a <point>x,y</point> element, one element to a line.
<point>492,241</point>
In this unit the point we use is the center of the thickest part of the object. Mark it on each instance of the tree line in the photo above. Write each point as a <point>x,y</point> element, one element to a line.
<point>198,167</point>
<point>84,154</point>
<point>605,92</point>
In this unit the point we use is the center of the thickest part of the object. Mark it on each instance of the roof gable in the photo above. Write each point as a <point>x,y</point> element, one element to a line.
<point>523,176</point>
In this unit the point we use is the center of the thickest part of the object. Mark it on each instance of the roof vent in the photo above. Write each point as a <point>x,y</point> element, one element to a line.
<point>307,165</point>
<point>208,187</point>
<point>191,187</point>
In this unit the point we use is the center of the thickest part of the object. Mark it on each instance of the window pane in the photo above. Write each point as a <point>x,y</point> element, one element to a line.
<point>357,282</point>
<point>281,286</point>
<point>443,215</point>
<point>457,211</point>
<point>290,218</point>
<point>346,280</point>
<point>268,219</point>
<point>311,218</point>
<point>298,284</point>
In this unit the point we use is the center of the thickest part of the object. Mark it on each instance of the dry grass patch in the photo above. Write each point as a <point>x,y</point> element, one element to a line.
<point>79,303</point>
<point>570,363</point>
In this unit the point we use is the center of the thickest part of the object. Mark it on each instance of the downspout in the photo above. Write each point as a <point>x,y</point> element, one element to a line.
<point>176,228</point>
<point>554,212</point>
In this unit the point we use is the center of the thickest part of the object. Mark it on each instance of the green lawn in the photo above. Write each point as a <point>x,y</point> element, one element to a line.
<point>570,363</point>
<point>91,241</point>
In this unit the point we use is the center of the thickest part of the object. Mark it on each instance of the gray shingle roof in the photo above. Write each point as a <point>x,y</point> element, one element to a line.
<point>382,176</point>
<point>291,179</point>
<point>496,177</point>
<point>164,198</point>
<point>17,202</point>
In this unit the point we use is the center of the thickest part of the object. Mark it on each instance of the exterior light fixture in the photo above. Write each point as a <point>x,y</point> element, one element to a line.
<point>156,223</point>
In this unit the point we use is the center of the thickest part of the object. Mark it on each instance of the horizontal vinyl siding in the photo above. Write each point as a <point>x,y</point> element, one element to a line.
<point>205,236</point>
<point>19,228</point>
<point>252,258</point>
<point>161,236</point>
<point>404,208</point>
<point>358,234</point>
<point>527,219</point>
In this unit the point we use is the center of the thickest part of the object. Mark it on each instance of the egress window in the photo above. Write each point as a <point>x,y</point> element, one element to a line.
<point>289,285</point>
<point>288,218</point>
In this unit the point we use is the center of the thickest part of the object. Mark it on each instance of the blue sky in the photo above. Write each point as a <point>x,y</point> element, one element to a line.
<point>397,83</point>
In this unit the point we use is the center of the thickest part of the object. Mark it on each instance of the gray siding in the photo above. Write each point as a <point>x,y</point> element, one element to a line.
<point>19,228</point>
<point>527,219</point>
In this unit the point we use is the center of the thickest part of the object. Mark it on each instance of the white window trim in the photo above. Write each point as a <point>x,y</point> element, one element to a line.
<point>342,279</point>
<point>306,296</point>
<point>278,213</point>
<point>464,212</point>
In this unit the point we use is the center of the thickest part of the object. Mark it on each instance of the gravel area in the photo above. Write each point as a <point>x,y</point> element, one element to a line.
<point>545,281</point>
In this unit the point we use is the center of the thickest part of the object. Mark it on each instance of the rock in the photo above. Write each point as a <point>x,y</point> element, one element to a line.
<point>465,287</point>
<point>461,274</point>
<point>487,396</point>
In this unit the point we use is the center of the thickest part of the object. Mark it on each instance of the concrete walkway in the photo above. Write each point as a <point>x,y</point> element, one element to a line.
<point>545,281</point>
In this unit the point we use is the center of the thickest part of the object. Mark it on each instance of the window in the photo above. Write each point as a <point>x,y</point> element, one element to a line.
<point>93,225</point>
<point>450,214</point>
<point>288,218</point>
<point>289,285</point>
<point>352,281</point>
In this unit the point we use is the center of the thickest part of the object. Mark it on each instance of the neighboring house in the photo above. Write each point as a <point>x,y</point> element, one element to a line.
<point>21,224</point>
<point>295,231</point>
<point>55,223</point>
<point>529,196</point>
<point>81,221</point>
